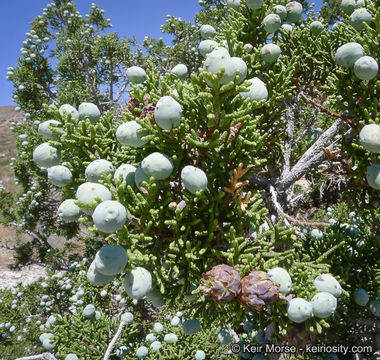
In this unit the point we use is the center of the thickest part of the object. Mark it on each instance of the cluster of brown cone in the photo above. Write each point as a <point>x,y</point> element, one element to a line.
<point>254,291</point>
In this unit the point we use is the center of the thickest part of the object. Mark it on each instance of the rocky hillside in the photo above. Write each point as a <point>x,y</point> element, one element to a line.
<point>7,148</point>
<point>8,234</point>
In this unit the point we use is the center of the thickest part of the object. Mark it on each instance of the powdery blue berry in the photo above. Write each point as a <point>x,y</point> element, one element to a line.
<point>48,344</point>
<point>370,138</point>
<point>360,16</point>
<point>89,111</point>
<point>348,6</point>
<point>157,165</point>
<point>299,310</point>
<point>150,338</point>
<point>138,282</point>
<point>96,168</point>
<point>96,278</point>
<point>167,113</point>
<point>194,179</point>
<point>171,338</point>
<point>327,283</point>
<point>206,46</point>
<point>316,27</point>
<point>158,327</point>
<point>129,134</point>
<point>109,216</point>
<point>45,129</point>
<point>280,10</point>
<point>200,355</point>
<point>347,54</point>
<point>324,304</point>
<point>207,31</point>
<point>270,53</point>
<point>111,259</point>
<point>374,307</point>
<point>191,326</point>
<point>366,68</point>
<point>126,172</point>
<point>44,336</point>
<point>68,211</point>
<point>142,352</point>
<point>127,317</point>
<point>155,345</point>
<point>71,357</point>
<point>89,191</point>
<point>373,176</point>
<point>59,175</point>
<point>271,23</point>
<point>89,311</point>
<point>136,74</point>
<point>217,60</point>
<point>180,71</point>
<point>46,155</point>
<point>254,4</point>
<point>257,90</point>
<point>281,277</point>
<point>68,110</point>
<point>361,297</point>
<point>316,233</point>
<point>233,4</point>
<point>295,10</point>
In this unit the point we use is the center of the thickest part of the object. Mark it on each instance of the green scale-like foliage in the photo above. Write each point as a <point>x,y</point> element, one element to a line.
<point>178,235</point>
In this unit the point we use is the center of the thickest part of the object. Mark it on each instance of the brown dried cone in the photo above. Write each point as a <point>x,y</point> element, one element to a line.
<point>148,109</point>
<point>299,335</point>
<point>257,290</point>
<point>132,105</point>
<point>221,283</point>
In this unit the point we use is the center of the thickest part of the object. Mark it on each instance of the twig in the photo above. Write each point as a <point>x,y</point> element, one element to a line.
<point>306,223</point>
<point>44,356</point>
<point>327,111</point>
<point>114,340</point>
<point>233,333</point>
<point>278,207</point>
<point>289,117</point>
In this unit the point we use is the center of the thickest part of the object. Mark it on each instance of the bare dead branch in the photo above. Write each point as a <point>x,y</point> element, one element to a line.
<point>311,158</point>
<point>44,356</point>
<point>327,111</point>
<point>114,340</point>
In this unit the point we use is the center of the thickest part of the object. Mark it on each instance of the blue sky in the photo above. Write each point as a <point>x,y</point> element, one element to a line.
<point>129,18</point>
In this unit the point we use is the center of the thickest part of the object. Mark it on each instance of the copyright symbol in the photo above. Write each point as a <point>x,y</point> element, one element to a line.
<point>235,348</point>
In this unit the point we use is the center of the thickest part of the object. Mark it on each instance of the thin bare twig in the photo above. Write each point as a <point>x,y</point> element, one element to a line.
<point>44,356</point>
<point>278,207</point>
<point>114,340</point>
<point>327,111</point>
<point>306,223</point>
